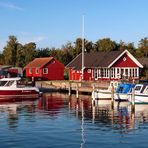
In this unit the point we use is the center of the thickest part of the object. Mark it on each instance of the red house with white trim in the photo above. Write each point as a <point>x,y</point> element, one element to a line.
<point>111,65</point>
<point>46,68</point>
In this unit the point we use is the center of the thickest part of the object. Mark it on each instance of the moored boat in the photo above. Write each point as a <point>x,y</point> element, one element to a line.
<point>122,92</point>
<point>140,94</point>
<point>10,89</point>
<point>105,93</point>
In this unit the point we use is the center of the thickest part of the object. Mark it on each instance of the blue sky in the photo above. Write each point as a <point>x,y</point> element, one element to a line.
<point>52,23</point>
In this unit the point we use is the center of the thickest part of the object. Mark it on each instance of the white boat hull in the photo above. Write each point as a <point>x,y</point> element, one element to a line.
<point>139,98</point>
<point>102,94</point>
<point>121,97</point>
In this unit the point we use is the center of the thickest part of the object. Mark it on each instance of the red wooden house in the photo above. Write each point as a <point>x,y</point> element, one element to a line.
<point>45,69</point>
<point>111,65</point>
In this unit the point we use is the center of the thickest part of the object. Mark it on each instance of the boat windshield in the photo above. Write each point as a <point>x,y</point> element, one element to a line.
<point>2,83</point>
<point>146,90</point>
<point>138,88</point>
<point>120,89</point>
<point>9,83</point>
<point>6,83</point>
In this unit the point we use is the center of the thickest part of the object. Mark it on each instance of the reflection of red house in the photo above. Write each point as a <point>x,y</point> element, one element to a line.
<point>45,68</point>
<point>111,65</point>
<point>52,104</point>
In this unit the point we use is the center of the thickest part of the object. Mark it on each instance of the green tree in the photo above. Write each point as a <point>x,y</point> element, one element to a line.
<point>66,54</point>
<point>89,46</point>
<point>78,47</point>
<point>1,59</point>
<point>29,51</point>
<point>10,51</point>
<point>143,46</point>
<point>20,56</point>
<point>106,44</point>
<point>43,52</point>
<point>122,45</point>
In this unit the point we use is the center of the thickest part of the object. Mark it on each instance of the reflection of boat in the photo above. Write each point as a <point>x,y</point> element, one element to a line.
<point>140,93</point>
<point>105,93</point>
<point>10,89</point>
<point>122,91</point>
<point>8,107</point>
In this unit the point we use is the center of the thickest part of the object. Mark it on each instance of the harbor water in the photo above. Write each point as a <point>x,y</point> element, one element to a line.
<point>59,121</point>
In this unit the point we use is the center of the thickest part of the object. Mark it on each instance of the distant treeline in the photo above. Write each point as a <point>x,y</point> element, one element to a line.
<point>14,53</point>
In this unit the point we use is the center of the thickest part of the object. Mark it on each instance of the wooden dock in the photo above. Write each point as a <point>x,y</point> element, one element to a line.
<point>73,86</point>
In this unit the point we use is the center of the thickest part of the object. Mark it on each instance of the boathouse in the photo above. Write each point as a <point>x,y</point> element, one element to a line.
<point>113,65</point>
<point>46,68</point>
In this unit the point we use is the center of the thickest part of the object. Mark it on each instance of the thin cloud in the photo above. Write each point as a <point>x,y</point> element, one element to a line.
<point>33,39</point>
<point>10,6</point>
<point>39,39</point>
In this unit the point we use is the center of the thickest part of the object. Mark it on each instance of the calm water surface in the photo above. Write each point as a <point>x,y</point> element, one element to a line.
<point>56,121</point>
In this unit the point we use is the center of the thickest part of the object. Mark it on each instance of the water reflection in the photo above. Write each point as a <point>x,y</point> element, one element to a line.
<point>119,118</point>
<point>81,121</point>
<point>11,111</point>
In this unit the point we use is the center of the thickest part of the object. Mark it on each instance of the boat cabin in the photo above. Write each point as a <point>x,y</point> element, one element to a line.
<point>9,82</point>
<point>124,88</point>
<point>141,88</point>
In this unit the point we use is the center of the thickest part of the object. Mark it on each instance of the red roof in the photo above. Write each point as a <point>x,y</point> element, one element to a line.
<point>39,62</point>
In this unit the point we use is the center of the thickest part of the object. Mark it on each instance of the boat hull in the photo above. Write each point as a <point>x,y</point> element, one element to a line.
<point>139,98</point>
<point>121,97</point>
<point>104,95</point>
<point>18,94</point>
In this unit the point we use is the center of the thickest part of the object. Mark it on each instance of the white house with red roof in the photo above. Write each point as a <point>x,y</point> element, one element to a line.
<point>46,68</point>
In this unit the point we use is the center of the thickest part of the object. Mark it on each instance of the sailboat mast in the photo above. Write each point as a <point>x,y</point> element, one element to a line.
<point>83,47</point>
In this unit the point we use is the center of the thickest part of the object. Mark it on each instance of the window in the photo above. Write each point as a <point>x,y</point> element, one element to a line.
<point>146,90</point>
<point>9,83</point>
<point>89,71</point>
<point>45,71</point>
<point>138,88</point>
<point>99,73</point>
<point>37,71</point>
<point>30,71</point>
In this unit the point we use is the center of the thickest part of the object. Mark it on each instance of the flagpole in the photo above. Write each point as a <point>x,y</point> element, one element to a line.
<point>83,47</point>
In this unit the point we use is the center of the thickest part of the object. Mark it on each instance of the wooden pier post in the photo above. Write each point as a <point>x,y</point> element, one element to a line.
<point>133,100</point>
<point>77,92</point>
<point>93,95</point>
<point>112,97</point>
<point>69,89</point>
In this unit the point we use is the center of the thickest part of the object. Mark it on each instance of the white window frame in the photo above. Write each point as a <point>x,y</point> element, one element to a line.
<point>146,90</point>
<point>88,70</point>
<point>30,70</point>
<point>37,71</point>
<point>45,70</point>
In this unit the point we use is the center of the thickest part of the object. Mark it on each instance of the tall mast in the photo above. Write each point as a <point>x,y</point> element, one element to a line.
<point>83,47</point>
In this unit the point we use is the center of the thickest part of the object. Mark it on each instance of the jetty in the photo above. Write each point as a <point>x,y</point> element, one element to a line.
<point>71,86</point>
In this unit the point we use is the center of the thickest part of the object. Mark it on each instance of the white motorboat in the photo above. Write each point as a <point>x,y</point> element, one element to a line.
<point>10,89</point>
<point>140,94</point>
<point>122,92</point>
<point>105,93</point>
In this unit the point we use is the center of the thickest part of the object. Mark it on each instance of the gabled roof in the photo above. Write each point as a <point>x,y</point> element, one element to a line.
<point>130,55</point>
<point>39,62</point>
<point>99,59</point>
